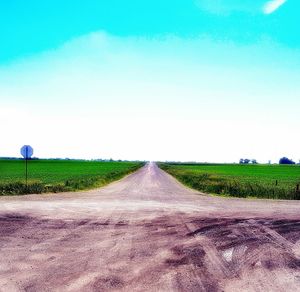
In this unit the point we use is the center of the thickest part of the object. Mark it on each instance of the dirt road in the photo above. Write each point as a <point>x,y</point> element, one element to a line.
<point>147,232</point>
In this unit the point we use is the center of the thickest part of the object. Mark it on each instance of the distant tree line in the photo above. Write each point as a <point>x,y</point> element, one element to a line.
<point>247,161</point>
<point>283,160</point>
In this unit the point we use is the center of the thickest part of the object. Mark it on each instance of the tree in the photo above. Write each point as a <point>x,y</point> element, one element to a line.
<point>285,160</point>
<point>254,161</point>
<point>244,161</point>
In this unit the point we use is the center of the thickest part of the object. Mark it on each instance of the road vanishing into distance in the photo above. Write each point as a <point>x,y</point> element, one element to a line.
<point>147,232</point>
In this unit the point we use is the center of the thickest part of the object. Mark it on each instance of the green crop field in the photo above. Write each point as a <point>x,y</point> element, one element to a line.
<point>261,181</point>
<point>59,175</point>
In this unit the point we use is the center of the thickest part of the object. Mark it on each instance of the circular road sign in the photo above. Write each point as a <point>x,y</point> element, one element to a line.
<point>26,151</point>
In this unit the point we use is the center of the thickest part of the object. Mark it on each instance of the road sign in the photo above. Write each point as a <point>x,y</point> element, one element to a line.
<point>27,151</point>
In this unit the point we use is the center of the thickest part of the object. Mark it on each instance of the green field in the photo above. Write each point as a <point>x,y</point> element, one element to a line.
<point>59,175</point>
<point>260,181</point>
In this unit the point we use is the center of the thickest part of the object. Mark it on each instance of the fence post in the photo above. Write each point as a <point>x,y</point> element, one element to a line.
<point>297,193</point>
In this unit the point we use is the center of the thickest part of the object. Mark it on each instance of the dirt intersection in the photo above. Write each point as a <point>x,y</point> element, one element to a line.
<point>148,233</point>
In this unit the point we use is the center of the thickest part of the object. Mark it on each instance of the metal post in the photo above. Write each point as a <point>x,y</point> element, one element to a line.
<point>26,159</point>
<point>26,162</point>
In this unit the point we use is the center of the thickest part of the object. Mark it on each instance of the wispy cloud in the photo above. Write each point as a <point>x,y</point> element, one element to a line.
<point>272,6</point>
<point>225,7</point>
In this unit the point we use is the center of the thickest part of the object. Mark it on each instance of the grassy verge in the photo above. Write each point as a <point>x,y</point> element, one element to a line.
<point>60,176</point>
<point>259,181</point>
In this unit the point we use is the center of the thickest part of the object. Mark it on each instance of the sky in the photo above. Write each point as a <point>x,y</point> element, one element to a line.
<point>181,80</point>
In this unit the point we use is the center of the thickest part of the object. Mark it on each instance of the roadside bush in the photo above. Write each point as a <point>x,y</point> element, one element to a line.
<point>19,188</point>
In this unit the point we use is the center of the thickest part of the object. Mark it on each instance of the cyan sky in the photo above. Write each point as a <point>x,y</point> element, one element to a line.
<point>203,80</point>
<point>31,26</point>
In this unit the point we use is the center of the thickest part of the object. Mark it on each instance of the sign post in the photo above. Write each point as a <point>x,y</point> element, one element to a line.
<point>27,152</point>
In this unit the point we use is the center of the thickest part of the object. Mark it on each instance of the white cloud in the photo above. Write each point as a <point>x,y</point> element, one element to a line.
<point>272,6</point>
<point>228,6</point>
<point>154,99</point>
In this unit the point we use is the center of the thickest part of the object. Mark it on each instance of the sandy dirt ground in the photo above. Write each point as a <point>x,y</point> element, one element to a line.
<point>147,232</point>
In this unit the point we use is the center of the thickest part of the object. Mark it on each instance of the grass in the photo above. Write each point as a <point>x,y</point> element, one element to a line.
<point>259,181</point>
<point>59,175</point>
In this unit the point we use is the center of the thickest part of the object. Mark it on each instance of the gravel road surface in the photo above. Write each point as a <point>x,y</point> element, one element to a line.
<point>147,232</point>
